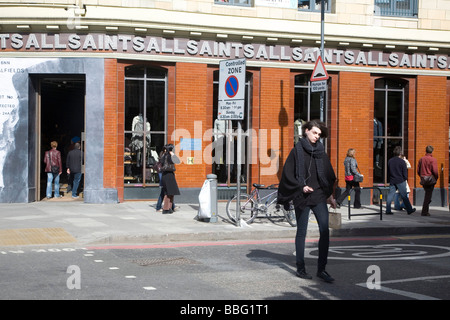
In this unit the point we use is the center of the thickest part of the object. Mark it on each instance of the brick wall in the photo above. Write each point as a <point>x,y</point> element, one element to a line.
<point>432,122</point>
<point>355,123</point>
<point>190,118</point>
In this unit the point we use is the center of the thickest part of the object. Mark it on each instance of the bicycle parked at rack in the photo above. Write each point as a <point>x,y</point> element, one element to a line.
<point>253,205</point>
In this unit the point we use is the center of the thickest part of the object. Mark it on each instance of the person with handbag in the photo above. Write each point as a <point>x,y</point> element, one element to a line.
<point>308,179</point>
<point>397,176</point>
<point>427,170</point>
<point>53,168</point>
<point>169,183</point>
<point>158,168</point>
<point>352,179</point>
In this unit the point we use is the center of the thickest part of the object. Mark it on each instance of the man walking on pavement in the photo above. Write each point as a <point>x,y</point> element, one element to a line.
<point>73,163</point>
<point>427,170</point>
<point>397,176</point>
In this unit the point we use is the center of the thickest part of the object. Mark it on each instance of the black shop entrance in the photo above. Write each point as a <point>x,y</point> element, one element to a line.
<point>60,118</point>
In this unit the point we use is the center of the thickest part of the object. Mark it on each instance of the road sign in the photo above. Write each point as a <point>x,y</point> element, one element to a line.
<point>319,72</point>
<point>317,86</point>
<point>231,89</point>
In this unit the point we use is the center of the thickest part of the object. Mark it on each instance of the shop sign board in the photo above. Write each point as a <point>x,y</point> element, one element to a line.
<point>231,89</point>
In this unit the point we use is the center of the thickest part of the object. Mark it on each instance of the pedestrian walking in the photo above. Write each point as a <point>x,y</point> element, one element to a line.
<point>397,176</point>
<point>74,163</point>
<point>169,183</point>
<point>351,171</point>
<point>397,204</point>
<point>308,180</point>
<point>427,170</point>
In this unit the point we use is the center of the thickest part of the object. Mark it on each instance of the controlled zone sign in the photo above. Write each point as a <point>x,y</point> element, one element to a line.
<point>231,90</point>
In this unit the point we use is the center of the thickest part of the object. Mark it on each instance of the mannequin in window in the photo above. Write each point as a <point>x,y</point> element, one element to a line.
<point>137,141</point>
<point>219,131</point>
<point>377,141</point>
<point>298,129</point>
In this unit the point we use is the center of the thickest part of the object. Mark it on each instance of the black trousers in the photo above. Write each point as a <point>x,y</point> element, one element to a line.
<point>427,199</point>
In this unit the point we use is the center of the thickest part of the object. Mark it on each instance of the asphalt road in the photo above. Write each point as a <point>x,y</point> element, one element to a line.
<point>252,272</point>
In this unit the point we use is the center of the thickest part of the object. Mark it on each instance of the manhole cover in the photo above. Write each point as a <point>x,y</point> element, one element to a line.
<point>164,261</point>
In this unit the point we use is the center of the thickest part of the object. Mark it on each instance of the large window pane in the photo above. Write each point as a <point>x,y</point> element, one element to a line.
<point>145,123</point>
<point>388,125</point>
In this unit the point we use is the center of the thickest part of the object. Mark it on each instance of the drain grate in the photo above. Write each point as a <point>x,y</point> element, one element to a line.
<point>164,261</point>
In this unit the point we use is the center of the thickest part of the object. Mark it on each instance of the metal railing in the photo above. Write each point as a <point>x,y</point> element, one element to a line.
<point>396,8</point>
<point>370,213</point>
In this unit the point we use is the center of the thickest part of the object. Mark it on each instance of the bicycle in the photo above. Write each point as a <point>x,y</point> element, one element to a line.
<point>253,204</point>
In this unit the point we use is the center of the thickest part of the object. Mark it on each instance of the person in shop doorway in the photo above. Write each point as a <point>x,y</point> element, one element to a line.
<point>308,179</point>
<point>169,183</point>
<point>427,170</point>
<point>70,176</point>
<point>53,168</point>
<point>397,177</point>
<point>74,162</point>
<point>351,170</point>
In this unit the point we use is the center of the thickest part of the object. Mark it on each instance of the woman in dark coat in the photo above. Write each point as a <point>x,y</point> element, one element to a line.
<point>169,183</point>
<point>308,180</point>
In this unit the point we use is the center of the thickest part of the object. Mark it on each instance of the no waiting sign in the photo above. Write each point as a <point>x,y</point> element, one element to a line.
<point>231,90</point>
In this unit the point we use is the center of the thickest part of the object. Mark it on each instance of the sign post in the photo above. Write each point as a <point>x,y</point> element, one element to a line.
<point>231,106</point>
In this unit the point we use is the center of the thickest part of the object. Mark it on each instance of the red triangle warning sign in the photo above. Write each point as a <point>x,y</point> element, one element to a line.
<point>319,73</point>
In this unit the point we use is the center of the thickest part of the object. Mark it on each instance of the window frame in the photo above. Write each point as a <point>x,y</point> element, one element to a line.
<point>146,79</point>
<point>234,3</point>
<point>389,8</point>
<point>312,5</point>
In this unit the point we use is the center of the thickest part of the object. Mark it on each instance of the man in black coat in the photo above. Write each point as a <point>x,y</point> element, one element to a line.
<point>74,162</point>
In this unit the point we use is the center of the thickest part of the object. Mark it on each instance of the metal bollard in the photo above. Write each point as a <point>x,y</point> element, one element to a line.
<point>212,178</point>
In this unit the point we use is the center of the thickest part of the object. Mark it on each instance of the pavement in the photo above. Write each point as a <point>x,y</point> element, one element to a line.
<point>137,222</point>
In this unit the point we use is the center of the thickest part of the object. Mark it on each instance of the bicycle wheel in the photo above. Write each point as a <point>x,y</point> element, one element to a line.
<point>247,211</point>
<point>278,215</point>
<point>275,213</point>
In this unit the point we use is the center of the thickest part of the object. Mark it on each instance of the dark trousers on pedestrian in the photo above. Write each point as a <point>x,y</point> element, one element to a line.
<point>321,213</point>
<point>348,186</point>
<point>427,199</point>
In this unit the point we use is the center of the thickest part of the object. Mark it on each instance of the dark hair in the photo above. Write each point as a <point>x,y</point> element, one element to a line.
<point>169,147</point>
<point>429,149</point>
<point>315,123</point>
<point>397,151</point>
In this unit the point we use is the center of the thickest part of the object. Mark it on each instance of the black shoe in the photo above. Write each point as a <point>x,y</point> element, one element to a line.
<point>412,211</point>
<point>325,276</point>
<point>167,211</point>
<point>302,274</point>
<point>389,212</point>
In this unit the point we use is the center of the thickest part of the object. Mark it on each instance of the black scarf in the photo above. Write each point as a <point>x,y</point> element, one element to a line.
<point>317,153</point>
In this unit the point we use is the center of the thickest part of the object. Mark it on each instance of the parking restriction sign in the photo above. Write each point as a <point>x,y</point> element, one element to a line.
<point>231,89</point>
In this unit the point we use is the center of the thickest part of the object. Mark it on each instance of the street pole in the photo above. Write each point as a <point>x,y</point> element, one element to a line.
<point>322,27</point>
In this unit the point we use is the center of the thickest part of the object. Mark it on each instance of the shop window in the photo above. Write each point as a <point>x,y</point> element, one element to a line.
<point>145,123</point>
<point>306,104</point>
<point>396,8</point>
<point>389,125</point>
<point>247,3</point>
<point>225,136</point>
<point>313,5</point>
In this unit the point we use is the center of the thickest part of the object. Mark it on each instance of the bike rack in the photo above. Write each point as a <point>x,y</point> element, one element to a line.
<point>366,214</point>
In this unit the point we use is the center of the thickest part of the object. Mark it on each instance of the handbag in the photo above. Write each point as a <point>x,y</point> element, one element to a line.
<point>358,177</point>
<point>428,180</point>
<point>157,166</point>
<point>334,219</point>
<point>168,165</point>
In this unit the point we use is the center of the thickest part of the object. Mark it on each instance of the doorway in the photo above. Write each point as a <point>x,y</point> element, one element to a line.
<point>60,118</point>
